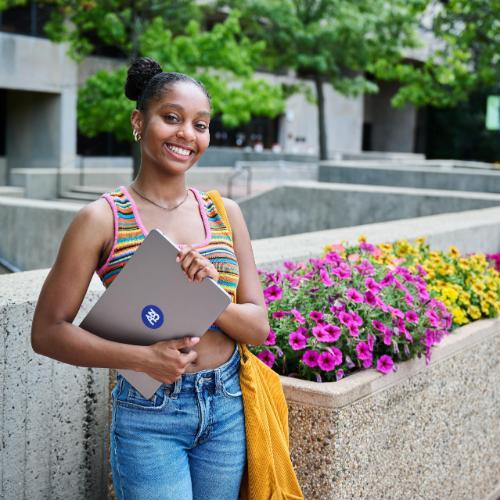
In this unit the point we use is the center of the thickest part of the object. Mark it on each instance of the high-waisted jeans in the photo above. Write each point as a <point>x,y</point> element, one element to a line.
<point>186,442</point>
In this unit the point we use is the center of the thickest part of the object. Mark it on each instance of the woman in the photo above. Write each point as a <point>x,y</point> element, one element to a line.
<point>188,441</point>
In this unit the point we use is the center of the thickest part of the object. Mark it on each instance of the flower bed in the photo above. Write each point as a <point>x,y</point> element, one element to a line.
<point>362,306</point>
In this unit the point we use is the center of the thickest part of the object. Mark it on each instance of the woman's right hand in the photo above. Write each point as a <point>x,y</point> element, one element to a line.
<point>166,362</point>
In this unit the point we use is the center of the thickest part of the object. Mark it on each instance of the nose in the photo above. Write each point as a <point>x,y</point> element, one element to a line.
<point>186,131</point>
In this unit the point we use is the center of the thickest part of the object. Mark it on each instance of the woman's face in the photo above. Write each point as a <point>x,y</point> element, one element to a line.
<point>175,128</point>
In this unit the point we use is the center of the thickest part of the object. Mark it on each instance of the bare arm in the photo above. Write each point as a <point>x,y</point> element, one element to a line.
<point>247,320</point>
<point>54,335</point>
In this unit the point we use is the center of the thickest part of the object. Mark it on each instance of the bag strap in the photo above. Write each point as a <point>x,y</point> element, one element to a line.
<point>215,196</point>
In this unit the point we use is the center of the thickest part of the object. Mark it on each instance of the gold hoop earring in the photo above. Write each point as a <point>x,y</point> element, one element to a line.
<point>137,135</point>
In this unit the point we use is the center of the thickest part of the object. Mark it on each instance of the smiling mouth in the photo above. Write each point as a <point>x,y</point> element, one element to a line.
<point>179,150</point>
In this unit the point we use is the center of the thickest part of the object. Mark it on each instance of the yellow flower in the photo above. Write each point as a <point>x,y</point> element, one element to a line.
<point>450,293</point>
<point>478,287</point>
<point>453,251</point>
<point>458,316</point>
<point>421,240</point>
<point>474,312</point>
<point>485,307</point>
<point>362,238</point>
<point>464,264</point>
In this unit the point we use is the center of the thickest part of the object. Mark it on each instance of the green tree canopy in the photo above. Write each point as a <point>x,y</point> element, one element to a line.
<point>331,41</point>
<point>171,32</point>
<point>465,57</point>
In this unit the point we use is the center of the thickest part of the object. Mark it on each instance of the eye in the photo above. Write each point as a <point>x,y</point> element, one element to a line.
<point>202,126</point>
<point>171,117</point>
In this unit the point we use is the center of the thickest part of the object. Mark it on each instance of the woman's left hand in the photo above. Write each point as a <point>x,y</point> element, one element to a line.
<point>195,265</point>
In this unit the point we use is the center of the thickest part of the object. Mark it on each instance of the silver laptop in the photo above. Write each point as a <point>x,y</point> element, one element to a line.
<point>152,300</point>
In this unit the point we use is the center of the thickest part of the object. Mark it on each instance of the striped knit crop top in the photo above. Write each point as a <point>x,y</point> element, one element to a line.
<point>129,233</point>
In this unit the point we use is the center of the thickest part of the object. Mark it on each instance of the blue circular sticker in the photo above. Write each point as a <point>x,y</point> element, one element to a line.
<point>152,317</point>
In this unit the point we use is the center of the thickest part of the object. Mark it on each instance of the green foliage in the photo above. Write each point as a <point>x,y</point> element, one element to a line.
<point>222,59</point>
<point>466,56</point>
<point>115,23</point>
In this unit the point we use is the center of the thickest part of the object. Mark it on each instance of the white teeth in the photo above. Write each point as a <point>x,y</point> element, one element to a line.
<point>180,151</point>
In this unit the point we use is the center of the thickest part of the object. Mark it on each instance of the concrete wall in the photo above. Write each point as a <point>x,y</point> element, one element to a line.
<point>312,206</point>
<point>422,432</point>
<point>55,434</point>
<point>41,102</point>
<point>459,179</point>
<point>393,129</point>
<point>54,418</point>
<point>43,225</point>
<point>3,171</point>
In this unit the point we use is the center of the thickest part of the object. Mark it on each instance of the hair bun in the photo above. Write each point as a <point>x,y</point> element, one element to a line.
<point>139,74</point>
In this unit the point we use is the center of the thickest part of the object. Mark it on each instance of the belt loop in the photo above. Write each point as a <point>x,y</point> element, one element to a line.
<point>177,387</point>
<point>218,380</point>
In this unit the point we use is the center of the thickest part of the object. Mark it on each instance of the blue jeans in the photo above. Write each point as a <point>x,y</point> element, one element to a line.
<point>186,442</point>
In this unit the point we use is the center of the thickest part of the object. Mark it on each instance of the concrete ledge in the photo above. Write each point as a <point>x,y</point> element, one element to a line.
<point>313,206</point>
<point>427,177</point>
<point>470,231</point>
<point>417,433</point>
<point>366,382</point>
<point>53,420</point>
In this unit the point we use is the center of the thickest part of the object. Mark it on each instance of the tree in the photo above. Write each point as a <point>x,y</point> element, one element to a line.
<point>171,32</point>
<point>332,41</point>
<point>465,58</point>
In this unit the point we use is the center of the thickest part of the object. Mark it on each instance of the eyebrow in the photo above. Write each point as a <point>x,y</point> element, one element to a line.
<point>180,108</point>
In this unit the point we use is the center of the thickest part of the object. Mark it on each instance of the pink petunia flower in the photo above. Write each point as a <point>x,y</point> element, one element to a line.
<point>329,359</point>
<point>279,314</point>
<point>370,298</point>
<point>298,317</point>
<point>267,357</point>
<point>297,340</point>
<point>378,325</point>
<point>353,329</point>
<point>372,285</point>
<point>320,333</point>
<point>363,351</point>
<point>325,278</point>
<point>271,338</point>
<point>385,364</point>
<point>339,374</point>
<point>368,361</point>
<point>273,292</point>
<point>310,358</point>
<point>354,295</point>
<point>411,317</point>
<point>316,315</point>
<point>334,332</point>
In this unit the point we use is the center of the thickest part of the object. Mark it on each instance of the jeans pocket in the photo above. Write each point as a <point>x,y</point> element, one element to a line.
<point>127,396</point>
<point>231,387</point>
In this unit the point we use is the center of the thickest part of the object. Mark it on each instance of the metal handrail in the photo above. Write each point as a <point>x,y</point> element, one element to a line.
<point>12,268</point>
<point>238,170</point>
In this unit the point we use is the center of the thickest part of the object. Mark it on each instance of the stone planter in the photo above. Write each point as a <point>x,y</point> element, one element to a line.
<point>421,432</point>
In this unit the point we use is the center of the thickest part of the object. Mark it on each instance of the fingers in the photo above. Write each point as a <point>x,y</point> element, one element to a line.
<point>185,342</point>
<point>195,266</point>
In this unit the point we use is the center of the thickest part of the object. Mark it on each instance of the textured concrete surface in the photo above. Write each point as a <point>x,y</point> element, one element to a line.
<point>312,206</point>
<point>423,433</point>
<point>373,174</point>
<point>54,416</point>
<point>470,231</point>
<point>44,224</point>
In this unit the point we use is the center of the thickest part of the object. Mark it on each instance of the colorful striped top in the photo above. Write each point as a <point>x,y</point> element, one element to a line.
<point>129,233</point>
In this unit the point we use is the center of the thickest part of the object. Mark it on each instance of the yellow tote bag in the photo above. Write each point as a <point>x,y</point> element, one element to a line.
<point>270,474</point>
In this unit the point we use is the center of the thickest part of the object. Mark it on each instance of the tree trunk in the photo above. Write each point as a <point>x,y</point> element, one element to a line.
<point>323,152</point>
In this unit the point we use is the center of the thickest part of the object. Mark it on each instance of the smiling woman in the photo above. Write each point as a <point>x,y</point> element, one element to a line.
<point>189,440</point>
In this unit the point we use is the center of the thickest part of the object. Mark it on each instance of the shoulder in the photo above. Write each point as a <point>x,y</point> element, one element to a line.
<point>94,221</point>
<point>98,212</point>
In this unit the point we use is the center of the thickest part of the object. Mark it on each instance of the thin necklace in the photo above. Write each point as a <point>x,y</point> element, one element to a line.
<point>158,205</point>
